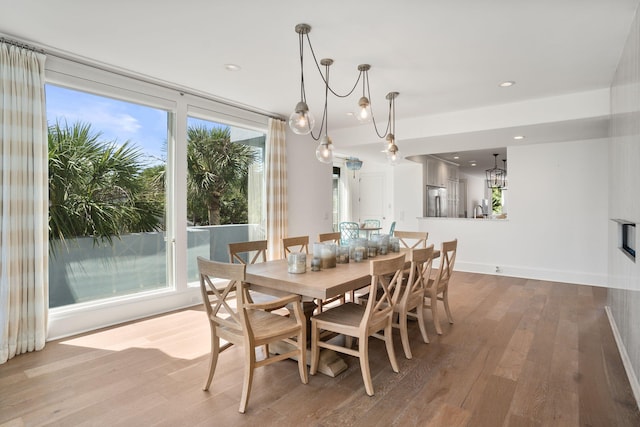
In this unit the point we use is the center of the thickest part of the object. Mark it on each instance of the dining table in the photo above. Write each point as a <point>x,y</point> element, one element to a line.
<point>273,277</point>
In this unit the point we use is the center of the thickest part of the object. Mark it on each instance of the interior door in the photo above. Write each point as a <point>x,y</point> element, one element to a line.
<point>372,196</point>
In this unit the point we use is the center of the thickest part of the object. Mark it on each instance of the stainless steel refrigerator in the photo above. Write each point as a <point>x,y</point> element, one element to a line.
<point>436,201</point>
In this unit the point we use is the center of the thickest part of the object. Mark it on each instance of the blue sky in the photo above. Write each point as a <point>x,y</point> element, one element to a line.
<point>119,121</point>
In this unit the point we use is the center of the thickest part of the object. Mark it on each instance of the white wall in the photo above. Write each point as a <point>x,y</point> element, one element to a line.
<point>475,193</point>
<point>309,188</point>
<point>624,203</point>
<point>557,223</point>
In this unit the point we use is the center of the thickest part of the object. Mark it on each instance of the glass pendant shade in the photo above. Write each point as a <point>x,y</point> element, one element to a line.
<point>364,110</point>
<point>301,120</point>
<point>392,154</point>
<point>324,151</point>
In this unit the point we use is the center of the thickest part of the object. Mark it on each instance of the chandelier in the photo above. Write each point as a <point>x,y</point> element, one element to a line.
<point>302,121</point>
<point>496,177</point>
<point>353,164</point>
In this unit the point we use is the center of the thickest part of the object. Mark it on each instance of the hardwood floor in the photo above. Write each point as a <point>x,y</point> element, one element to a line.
<point>521,353</point>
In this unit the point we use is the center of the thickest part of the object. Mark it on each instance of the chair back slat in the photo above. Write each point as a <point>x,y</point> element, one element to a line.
<point>421,263</point>
<point>329,237</point>
<point>295,244</point>
<point>348,231</point>
<point>223,301</point>
<point>248,252</point>
<point>448,260</point>
<point>386,277</point>
<point>412,239</point>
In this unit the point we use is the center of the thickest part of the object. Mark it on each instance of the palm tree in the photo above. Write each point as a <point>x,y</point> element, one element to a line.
<point>215,165</point>
<point>95,186</point>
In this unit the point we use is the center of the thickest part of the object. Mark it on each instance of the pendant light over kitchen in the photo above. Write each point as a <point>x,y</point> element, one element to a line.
<point>496,177</point>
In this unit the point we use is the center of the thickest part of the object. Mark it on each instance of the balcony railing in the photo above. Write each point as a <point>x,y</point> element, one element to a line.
<point>133,263</point>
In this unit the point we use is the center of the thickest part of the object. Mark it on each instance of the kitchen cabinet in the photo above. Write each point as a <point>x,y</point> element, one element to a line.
<point>437,172</point>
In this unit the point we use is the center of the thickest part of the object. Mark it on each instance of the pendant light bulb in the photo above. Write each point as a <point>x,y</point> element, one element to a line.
<point>301,120</point>
<point>392,154</point>
<point>364,110</point>
<point>324,151</point>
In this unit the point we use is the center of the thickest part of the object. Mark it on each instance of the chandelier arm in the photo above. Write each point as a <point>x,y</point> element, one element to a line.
<point>301,48</point>
<point>326,83</point>
<point>373,118</point>
<point>324,124</point>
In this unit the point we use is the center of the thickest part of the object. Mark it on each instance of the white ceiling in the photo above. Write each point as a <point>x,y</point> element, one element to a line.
<point>442,56</point>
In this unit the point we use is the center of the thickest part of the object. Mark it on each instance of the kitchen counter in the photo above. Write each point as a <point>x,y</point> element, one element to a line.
<point>439,218</point>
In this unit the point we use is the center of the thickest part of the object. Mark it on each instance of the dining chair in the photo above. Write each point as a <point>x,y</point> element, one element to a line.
<point>412,239</point>
<point>249,253</point>
<point>372,223</point>
<point>348,231</point>
<point>237,321</point>
<point>409,300</point>
<point>362,321</point>
<point>437,288</point>
<point>330,237</point>
<point>392,228</point>
<point>295,244</point>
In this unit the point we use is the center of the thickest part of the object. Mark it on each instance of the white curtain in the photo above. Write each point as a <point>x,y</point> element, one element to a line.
<point>276,177</point>
<point>23,202</point>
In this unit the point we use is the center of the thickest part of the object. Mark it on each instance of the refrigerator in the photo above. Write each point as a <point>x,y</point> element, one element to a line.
<point>436,201</point>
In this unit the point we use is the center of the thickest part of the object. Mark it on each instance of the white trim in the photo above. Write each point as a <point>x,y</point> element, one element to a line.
<point>79,318</point>
<point>626,361</point>
<point>574,277</point>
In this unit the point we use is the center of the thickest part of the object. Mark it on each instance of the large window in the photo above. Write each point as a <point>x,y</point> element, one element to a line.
<point>125,226</point>
<point>225,189</point>
<point>107,160</point>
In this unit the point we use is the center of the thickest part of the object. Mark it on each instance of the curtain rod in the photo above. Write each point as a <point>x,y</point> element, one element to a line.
<point>20,45</point>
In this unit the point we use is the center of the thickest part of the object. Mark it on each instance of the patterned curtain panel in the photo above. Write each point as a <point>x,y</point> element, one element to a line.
<point>23,202</point>
<point>276,171</point>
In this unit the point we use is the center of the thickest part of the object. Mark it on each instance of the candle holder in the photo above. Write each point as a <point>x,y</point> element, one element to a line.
<point>316,264</point>
<point>297,263</point>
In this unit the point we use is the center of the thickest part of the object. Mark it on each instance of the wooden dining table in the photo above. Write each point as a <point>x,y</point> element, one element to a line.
<point>272,277</point>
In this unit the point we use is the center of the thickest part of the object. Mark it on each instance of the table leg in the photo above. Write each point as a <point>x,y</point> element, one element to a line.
<point>330,363</point>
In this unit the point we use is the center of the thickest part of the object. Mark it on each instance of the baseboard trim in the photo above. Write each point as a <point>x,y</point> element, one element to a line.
<point>631,375</point>
<point>575,277</point>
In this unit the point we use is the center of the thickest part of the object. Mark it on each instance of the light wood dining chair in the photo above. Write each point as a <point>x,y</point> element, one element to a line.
<point>330,237</point>
<point>412,239</point>
<point>409,300</point>
<point>249,253</point>
<point>362,321</point>
<point>295,244</point>
<point>437,288</point>
<point>240,322</point>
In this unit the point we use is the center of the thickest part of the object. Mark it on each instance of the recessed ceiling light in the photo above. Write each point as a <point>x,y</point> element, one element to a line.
<point>232,67</point>
<point>507,83</point>
<point>473,163</point>
<point>518,137</point>
<point>456,157</point>
<point>350,113</point>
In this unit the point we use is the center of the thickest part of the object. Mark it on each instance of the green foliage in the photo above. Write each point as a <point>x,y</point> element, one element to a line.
<point>95,186</point>
<point>217,178</point>
<point>496,200</point>
<point>102,189</point>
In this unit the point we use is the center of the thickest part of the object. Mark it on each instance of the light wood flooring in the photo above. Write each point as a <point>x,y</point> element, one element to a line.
<point>521,353</point>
